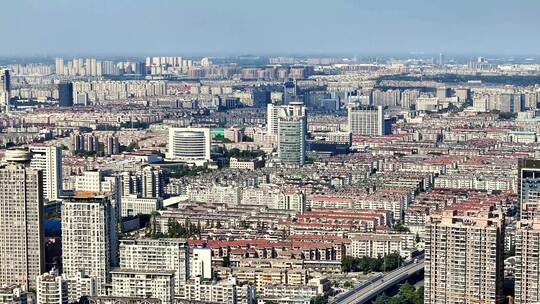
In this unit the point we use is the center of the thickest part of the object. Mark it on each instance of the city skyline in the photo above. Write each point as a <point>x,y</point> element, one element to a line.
<point>264,152</point>
<point>238,27</point>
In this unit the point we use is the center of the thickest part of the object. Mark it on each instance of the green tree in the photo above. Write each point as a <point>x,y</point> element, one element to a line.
<point>318,300</point>
<point>226,261</point>
<point>391,261</point>
<point>507,115</point>
<point>365,264</point>
<point>85,153</point>
<point>407,294</point>
<point>511,252</point>
<point>401,228</point>
<point>382,299</point>
<point>407,291</point>
<point>348,264</point>
<point>420,295</point>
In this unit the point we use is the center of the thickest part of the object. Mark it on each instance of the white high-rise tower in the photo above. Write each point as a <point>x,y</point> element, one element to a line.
<point>89,239</point>
<point>49,160</point>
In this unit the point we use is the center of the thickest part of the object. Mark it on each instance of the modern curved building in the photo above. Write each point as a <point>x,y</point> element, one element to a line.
<point>190,145</point>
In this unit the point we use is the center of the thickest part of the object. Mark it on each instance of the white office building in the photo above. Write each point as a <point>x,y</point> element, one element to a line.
<point>366,120</point>
<point>275,112</point>
<point>191,145</point>
<point>133,205</point>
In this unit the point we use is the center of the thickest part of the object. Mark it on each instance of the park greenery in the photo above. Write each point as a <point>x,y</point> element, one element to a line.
<point>132,147</point>
<point>318,300</point>
<point>220,138</point>
<point>187,230</point>
<point>400,228</point>
<point>507,115</point>
<point>184,170</point>
<point>243,154</point>
<point>176,230</point>
<point>510,253</point>
<point>367,264</point>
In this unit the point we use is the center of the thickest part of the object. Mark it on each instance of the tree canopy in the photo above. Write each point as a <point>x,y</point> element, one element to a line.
<point>407,294</point>
<point>367,264</point>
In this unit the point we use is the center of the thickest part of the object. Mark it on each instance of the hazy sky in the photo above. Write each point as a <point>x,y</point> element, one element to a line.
<point>211,27</point>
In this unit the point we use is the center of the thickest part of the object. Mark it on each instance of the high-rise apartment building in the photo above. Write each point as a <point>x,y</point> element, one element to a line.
<point>143,284</point>
<point>149,182</point>
<point>51,288</point>
<point>21,221</point>
<point>78,67</point>
<point>289,92</point>
<point>59,66</point>
<point>5,89</point>
<point>512,102</point>
<point>152,182</point>
<point>49,160</point>
<point>149,254</point>
<point>441,59</point>
<point>190,145</point>
<point>527,278</point>
<point>367,120</point>
<point>463,94</point>
<point>5,79</point>
<point>292,140</point>
<point>529,187</point>
<point>390,98</point>
<point>443,92</point>
<point>289,122</point>
<point>79,286</point>
<point>464,258</point>
<point>89,237</point>
<point>65,94</point>
<point>112,145</point>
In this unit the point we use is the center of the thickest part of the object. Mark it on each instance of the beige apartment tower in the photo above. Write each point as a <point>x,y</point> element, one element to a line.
<point>527,286</point>
<point>464,258</point>
<point>21,226</point>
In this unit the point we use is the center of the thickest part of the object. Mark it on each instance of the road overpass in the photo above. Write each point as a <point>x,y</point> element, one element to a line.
<point>368,290</point>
